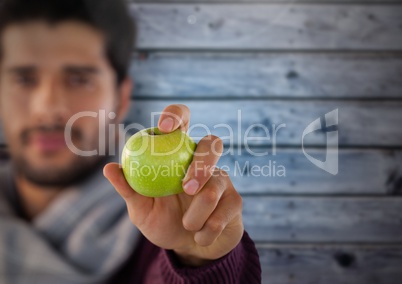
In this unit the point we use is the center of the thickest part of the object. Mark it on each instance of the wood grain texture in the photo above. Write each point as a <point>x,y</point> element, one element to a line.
<point>323,219</point>
<point>361,123</point>
<point>266,75</point>
<point>268,26</point>
<point>330,264</point>
<point>361,172</point>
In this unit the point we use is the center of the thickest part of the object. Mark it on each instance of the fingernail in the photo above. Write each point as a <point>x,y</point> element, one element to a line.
<point>191,187</point>
<point>167,124</point>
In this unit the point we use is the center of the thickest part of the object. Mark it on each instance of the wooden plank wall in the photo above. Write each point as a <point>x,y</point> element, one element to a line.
<point>279,61</point>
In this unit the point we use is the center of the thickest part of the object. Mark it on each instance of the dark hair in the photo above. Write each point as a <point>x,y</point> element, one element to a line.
<point>110,17</point>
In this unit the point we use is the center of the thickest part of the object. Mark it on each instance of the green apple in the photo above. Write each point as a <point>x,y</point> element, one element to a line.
<point>155,163</point>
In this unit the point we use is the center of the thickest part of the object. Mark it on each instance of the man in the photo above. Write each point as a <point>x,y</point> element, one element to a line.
<point>61,221</point>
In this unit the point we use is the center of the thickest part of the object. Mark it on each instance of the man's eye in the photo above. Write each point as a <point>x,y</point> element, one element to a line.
<point>78,80</point>
<point>26,80</point>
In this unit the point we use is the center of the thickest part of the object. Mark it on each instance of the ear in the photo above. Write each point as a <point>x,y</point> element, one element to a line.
<point>124,90</point>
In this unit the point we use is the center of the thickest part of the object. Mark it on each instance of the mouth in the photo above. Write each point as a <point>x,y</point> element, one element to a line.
<point>47,142</point>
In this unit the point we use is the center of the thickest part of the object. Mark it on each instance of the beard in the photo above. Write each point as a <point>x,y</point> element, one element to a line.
<point>76,170</point>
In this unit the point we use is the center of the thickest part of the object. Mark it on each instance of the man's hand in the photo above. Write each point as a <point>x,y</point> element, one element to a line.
<point>203,223</point>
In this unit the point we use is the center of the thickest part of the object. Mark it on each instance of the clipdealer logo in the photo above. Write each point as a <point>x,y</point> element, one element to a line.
<point>328,124</point>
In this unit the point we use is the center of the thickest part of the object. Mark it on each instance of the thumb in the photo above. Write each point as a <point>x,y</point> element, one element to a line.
<point>134,200</point>
<point>114,174</point>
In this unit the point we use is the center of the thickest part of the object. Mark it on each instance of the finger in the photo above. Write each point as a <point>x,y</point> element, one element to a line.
<point>174,117</point>
<point>135,201</point>
<point>114,174</point>
<point>206,155</point>
<point>226,213</point>
<point>203,204</point>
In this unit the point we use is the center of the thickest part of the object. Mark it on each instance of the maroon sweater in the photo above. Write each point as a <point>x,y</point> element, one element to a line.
<point>151,264</point>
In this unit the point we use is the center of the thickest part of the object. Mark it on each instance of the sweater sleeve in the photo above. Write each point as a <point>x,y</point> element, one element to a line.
<point>241,265</point>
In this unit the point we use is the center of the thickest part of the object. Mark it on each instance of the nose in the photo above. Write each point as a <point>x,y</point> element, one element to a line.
<point>48,105</point>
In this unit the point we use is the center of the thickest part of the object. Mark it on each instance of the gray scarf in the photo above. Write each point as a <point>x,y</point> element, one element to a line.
<point>82,237</point>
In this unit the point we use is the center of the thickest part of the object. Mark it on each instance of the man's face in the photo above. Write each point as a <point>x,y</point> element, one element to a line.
<point>48,74</point>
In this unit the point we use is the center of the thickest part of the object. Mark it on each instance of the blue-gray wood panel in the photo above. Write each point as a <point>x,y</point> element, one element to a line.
<point>361,172</point>
<point>307,219</point>
<point>331,264</point>
<point>269,26</point>
<point>267,75</point>
<point>361,123</point>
